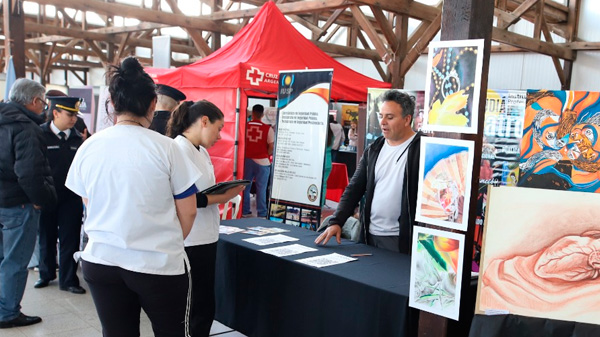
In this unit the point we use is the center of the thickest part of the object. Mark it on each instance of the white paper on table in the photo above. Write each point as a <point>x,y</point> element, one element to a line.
<point>271,230</point>
<point>229,230</point>
<point>288,250</point>
<point>271,239</point>
<point>326,260</point>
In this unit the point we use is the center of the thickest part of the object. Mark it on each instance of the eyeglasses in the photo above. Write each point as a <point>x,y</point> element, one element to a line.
<point>43,102</point>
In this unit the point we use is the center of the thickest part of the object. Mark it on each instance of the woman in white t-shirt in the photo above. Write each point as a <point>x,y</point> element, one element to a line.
<point>196,127</point>
<point>140,195</point>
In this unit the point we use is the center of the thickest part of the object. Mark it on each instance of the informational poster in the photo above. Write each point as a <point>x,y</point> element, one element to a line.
<point>436,271</point>
<point>299,155</point>
<point>560,148</point>
<point>349,114</point>
<point>540,254</point>
<point>452,85</point>
<point>445,170</point>
<point>87,107</point>
<point>502,131</point>
<point>374,102</point>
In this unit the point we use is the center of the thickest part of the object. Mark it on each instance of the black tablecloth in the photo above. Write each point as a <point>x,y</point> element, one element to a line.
<point>521,326</point>
<point>262,295</point>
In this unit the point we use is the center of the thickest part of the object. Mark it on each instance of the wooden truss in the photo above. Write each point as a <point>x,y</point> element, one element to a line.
<point>375,29</point>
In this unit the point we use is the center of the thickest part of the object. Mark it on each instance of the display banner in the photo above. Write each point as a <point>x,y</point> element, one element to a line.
<point>300,143</point>
<point>502,131</point>
<point>86,108</point>
<point>105,117</point>
<point>374,102</point>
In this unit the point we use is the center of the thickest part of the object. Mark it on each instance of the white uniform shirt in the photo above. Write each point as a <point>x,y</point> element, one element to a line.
<point>206,224</point>
<point>389,181</point>
<point>129,175</point>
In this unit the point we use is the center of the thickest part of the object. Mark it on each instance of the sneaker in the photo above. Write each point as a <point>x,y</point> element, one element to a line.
<point>249,215</point>
<point>21,320</point>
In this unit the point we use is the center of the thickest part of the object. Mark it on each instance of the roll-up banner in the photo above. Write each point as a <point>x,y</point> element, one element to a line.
<point>300,143</point>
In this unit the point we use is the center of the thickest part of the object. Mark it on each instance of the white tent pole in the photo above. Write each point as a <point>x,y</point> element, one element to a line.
<point>237,129</point>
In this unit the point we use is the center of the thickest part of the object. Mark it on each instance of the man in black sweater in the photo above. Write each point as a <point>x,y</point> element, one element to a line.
<point>387,177</point>
<point>26,187</point>
<point>64,221</point>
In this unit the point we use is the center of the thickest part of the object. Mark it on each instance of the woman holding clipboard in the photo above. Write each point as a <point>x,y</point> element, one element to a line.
<point>196,127</point>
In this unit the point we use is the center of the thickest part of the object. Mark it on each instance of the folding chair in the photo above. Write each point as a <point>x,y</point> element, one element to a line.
<point>235,207</point>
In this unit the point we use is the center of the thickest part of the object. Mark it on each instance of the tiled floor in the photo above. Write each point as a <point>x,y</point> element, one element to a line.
<point>69,315</point>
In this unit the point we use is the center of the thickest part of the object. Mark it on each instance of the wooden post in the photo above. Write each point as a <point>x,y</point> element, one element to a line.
<point>14,35</point>
<point>461,20</point>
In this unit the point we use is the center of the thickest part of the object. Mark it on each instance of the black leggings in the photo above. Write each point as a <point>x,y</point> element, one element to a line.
<point>202,259</point>
<point>119,295</point>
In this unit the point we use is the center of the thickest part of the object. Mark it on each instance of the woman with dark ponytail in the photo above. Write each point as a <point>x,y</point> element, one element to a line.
<point>196,127</point>
<point>140,195</point>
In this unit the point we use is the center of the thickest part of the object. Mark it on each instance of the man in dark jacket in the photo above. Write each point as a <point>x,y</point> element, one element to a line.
<point>64,221</point>
<point>26,186</point>
<point>387,177</point>
<point>167,101</point>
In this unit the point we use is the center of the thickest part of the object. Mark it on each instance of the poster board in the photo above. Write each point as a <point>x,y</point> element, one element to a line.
<point>299,151</point>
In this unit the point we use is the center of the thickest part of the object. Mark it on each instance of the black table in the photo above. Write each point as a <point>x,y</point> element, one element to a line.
<point>521,326</point>
<point>262,295</point>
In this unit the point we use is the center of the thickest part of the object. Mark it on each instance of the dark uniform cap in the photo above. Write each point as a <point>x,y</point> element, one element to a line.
<point>166,90</point>
<point>67,103</point>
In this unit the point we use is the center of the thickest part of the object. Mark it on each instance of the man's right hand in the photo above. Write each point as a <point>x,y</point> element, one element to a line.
<point>328,233</point>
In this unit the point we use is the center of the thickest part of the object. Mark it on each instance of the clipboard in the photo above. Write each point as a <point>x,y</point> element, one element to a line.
<point>220,188</point>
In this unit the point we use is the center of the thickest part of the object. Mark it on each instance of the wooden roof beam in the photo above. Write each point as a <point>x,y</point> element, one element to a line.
<point>516,14</point>
<point>532,44</point>
<point>145,15</point>
<point>196,36</point>
<point>366,26</point>
<point>298,7</point>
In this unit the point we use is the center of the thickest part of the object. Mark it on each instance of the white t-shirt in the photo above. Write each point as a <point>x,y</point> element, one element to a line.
<point>129,175</point>
<point>206,224</point>
<point>338,135</point>
<point>389,181</point>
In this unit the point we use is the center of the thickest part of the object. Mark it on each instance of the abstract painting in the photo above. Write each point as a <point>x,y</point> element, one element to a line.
<point>446,166</point>
<point>560,148</point>
<point>541,254</point>
<point>452,86</point>
<point>436,271</point>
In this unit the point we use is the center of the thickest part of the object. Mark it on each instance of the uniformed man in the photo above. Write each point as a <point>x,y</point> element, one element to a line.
<point>64,221</point>
<point>168,100</point>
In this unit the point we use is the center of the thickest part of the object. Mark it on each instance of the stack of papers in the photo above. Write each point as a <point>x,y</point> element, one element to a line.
<point>229,230</point>
<point>259,230</point>
<point>326,260</point>
<point>269,240</point>
<point>288,250</point>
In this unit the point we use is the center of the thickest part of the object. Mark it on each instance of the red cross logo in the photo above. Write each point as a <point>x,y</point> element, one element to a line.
<point>254,133</point>
<point>254,75</point>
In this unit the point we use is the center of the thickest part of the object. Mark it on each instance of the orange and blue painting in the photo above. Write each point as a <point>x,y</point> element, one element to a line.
<point>436,271</point>
<point>560,148</point>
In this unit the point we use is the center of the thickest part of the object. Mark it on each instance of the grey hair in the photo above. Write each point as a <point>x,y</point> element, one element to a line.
<point>24,91</point>
<point>403,99</point>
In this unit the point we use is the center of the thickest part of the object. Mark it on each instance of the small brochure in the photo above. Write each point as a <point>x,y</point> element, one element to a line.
<point>269,230</point>
<point>272,239</point>
<point>229,230</point>
<point>326,260</point>
<point>293,249</point>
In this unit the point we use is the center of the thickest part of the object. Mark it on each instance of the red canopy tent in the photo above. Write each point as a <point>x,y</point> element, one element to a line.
<point>248,66</point>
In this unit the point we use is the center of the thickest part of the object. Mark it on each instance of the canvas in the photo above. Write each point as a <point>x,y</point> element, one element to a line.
<point>445,171</point>
<point>436,271</point>
<point>452,86</point>
<point>541,254</point>
<point>560,148</point>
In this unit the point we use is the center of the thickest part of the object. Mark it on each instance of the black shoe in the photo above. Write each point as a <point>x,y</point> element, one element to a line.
<point>41,283</point>
<point>21,320</point>
<point>73,289</point>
